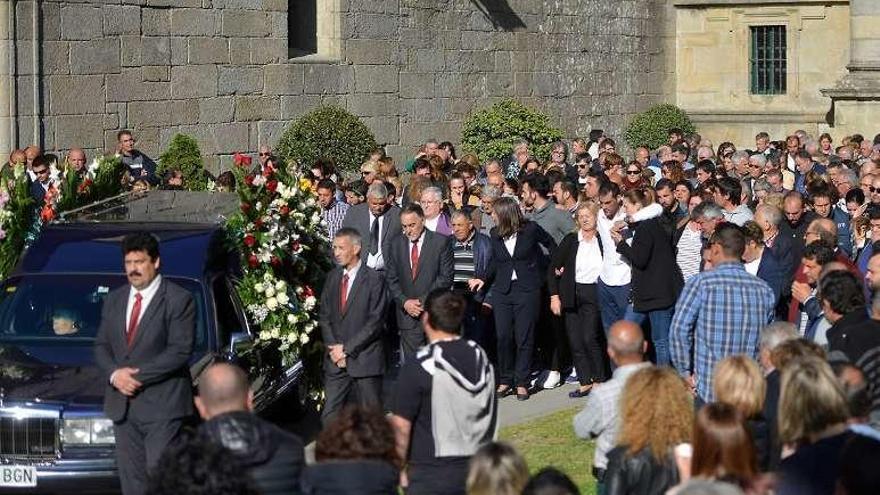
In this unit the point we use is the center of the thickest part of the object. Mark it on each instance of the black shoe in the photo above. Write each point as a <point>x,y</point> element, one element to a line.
<point>504,393</point>
<point>578,393</point>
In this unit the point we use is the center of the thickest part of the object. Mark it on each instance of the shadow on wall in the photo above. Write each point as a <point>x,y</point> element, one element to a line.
<point>500,14</point>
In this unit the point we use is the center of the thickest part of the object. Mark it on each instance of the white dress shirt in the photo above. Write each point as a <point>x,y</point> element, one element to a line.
<point>431,223</point>
<point>147,295</point>
<point>510,244</point>
<point>615,271</point>
<point>588,261</point>
<point>352,273</point>
<point>752,266</point>
<point>420,243</point>
<point>376,261</point>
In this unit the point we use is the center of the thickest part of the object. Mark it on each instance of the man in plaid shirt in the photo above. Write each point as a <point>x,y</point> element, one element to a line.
<point>332,211</point>
<point>719,313</point>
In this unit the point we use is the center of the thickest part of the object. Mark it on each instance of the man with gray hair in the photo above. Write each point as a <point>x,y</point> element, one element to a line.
<point>740,161</point>
<point>351,321</point>
<point>770,338</point>
<point>487,206</point>
<point>436,220</point>
<point>377,220</point>
<point>600,417</point>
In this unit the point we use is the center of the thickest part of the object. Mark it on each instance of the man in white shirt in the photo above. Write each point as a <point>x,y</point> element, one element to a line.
<point>614,280</point>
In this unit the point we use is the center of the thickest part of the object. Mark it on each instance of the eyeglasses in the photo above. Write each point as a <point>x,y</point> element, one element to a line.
<point>265,154</point>
<point>633,172</point>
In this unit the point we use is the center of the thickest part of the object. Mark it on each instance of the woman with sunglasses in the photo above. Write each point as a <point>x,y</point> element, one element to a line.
<point>634,177</point>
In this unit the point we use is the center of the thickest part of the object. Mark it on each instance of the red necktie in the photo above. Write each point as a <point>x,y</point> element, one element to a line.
<point>414,258</point>
<point>343,293</point>
<point>134,320</point>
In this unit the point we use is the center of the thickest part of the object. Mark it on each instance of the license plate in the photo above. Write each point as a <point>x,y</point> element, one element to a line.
<point>18,476</point>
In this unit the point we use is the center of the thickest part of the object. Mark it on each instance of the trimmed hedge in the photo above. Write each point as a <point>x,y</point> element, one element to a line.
<point>183,153</point>
<point>492,132</point>
<point>651,127</point>
<point>331,132</point>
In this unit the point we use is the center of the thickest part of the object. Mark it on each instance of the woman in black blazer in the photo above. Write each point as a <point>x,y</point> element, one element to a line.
<point>646,243</point>
<point>514,293</point>
<point>571,280</point>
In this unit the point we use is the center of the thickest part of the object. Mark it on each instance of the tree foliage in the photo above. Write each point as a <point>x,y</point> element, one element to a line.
<point>331,132</point>
<point>492,132</point>
<point>651,127</point>
<point>183,153</point>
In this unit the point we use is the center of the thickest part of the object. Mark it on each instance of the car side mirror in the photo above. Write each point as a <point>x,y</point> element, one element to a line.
<point>240,342</point>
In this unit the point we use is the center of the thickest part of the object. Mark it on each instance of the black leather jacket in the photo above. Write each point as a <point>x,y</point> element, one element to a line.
<point>364,477</point>
<point>273,457</point>
<point>639,474</point>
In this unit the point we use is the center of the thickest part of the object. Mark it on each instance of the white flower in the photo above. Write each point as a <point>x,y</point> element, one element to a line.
<point>259,181</point>
<point>291,337</point>
<point>281,285</point>
<point>309,303</point>
<point>269,291</point>
<point>282,298</point>
<point>271,303</point>
<point>265,335</point>
<point>275,333</point>
<point>259,287</point>
<point>304,338</point>
<point>291,318</point>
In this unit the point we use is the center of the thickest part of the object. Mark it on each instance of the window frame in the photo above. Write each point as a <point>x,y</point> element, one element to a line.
<point>772,67</point>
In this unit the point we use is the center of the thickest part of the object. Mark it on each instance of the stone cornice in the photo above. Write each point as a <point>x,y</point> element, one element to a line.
<point>748,3</point>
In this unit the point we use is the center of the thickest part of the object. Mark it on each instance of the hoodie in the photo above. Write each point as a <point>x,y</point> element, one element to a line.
<point>273,457</point>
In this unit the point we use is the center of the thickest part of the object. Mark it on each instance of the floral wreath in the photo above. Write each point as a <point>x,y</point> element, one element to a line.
<point>285,249</point>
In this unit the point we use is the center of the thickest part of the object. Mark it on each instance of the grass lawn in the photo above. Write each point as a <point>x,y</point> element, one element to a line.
<point>550,441</point>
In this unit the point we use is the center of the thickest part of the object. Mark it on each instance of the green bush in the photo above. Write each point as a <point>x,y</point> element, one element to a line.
<point>328,131</point>
<point>183,153</point>
<point>492,132</point>
<point>651,127</point>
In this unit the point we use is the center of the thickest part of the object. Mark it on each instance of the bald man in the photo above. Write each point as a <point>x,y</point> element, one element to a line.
<point>77,160</point>
<point>272,457</point>
<point>600,418</point>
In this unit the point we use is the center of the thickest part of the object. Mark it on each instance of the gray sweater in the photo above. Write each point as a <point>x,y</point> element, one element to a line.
<point>556,222</point>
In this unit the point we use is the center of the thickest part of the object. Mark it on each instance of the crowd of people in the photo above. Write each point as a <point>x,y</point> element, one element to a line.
<point>716,309</point>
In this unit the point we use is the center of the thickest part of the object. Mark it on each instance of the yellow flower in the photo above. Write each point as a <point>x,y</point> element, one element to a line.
<point>305,184</point>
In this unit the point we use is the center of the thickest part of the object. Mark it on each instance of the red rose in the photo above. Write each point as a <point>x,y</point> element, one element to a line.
<point>245,207</point>
<point>241,160</point>
<point>276,261</point>
<point>284,210</point>
<point>308,292</point>
<point>249,179</point>
<point>253,261</point>
<point>250,240</point>
<point>268,170</point>
<point>258,223</point>
<point>295,247</point>
<point>272,185</point>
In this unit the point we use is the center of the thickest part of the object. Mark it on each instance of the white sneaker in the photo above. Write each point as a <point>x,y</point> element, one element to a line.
<point>552,380</point>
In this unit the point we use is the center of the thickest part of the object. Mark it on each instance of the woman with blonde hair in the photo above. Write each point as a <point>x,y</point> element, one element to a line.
<point>813,416</point>
<point>739,383</point>
<point>656,415</point>
<point>497,469</point>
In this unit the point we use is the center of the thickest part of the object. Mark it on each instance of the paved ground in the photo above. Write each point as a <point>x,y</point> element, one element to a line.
<point>512,411</point>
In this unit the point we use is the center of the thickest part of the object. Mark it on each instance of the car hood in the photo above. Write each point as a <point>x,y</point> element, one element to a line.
<point>49,374</point>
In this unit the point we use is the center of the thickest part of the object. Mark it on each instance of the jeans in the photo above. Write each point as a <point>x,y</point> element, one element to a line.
<point>660,320</point>
<point>613,303</point>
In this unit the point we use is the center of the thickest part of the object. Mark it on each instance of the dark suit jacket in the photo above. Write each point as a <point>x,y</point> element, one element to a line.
<point>38,193</point>
<point>161,350</point>
<point>528,260</point>
<point>359,327</point>
<point>769,271</point>
<point>358,218</point>
<point>436,270</point>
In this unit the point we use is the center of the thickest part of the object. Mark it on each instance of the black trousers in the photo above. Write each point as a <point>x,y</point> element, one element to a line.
<point>551,339</point>
<point>139,444</point>
<point>341,389</point>
<point>516,314</point>
<point>477,325</point>
<point>584,325</point>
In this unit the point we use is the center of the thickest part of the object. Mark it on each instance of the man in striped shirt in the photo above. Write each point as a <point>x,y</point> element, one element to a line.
<point>719,313</point>
<point>472,255</point>
<point>332,211</point>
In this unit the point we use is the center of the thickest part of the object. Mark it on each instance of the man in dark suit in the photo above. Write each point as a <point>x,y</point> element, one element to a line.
<point>42,182</point>
<point>378,222</point>
<point>352,328</point>
<point>417,263</point>
<point>142,348</point>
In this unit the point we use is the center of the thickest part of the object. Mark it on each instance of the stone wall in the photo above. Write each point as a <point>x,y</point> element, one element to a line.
<point>412,69</point>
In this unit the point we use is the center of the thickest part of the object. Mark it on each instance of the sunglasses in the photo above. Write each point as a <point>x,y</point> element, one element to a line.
<point>633,172</point>
<point>582,165</point>
<point>265,154</point>
<point>872,189</point>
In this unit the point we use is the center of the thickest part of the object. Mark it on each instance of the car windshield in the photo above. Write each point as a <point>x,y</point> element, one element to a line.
<point>62,308</point>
